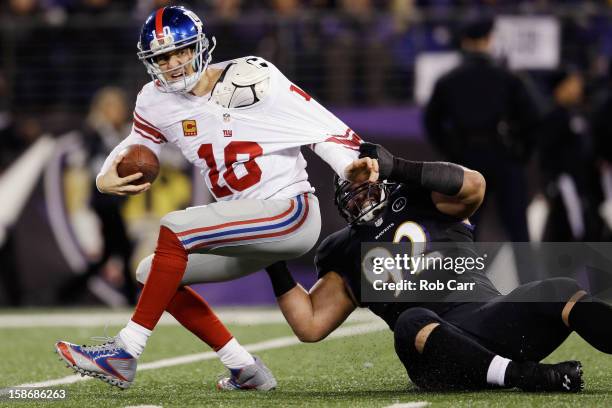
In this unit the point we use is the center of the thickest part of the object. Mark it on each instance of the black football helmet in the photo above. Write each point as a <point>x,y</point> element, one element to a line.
<point>360,203</point>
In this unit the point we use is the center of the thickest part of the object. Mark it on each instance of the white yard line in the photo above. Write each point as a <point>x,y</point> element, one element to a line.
<point>143,406</point>
<point>279,342</point>
<point>415,404</point>
<point>93,319</point>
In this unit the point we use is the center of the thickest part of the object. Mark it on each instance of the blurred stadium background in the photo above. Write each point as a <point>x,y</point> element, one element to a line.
<point>69,76</point>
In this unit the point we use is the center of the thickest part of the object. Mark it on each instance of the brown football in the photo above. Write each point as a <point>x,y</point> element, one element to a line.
<point>139,158</point>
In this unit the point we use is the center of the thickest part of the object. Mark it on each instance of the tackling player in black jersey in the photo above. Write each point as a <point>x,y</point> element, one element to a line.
<point>448,344</point>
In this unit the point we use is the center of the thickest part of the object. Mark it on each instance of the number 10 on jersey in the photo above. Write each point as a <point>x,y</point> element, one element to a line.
<point>230,154</point>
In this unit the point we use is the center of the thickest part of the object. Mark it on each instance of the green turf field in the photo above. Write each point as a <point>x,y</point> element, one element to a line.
<point>354,371</point>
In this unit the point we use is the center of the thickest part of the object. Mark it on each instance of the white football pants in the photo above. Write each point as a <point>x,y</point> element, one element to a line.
<point>230,239</point>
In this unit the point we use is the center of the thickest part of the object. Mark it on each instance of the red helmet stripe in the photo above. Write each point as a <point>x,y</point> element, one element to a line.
<point>159,27</point>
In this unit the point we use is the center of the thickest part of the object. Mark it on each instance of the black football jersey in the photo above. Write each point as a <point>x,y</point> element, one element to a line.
<point>341,251</point>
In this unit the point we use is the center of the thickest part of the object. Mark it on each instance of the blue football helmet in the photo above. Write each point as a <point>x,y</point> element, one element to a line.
<point>168,29</point>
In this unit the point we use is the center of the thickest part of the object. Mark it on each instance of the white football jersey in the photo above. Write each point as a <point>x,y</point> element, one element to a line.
<point>246,134</point>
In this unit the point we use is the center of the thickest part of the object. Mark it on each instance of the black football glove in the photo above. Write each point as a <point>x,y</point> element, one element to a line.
<point>384,157</point>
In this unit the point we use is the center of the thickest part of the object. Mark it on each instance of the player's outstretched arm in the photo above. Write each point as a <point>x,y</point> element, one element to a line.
<point>344,159</point>
<point>456,190</point>
<point>312,316</point>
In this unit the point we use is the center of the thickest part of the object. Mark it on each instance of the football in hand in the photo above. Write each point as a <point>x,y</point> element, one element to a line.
<point>139,158</point>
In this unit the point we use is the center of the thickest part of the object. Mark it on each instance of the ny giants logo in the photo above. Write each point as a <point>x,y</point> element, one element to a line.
<point>227,133</point>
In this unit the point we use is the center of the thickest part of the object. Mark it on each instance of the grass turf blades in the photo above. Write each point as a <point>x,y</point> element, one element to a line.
<point>356,371</point>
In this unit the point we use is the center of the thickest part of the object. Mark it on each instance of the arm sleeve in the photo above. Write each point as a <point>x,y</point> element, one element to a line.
<point>337,156</point>
<point>602,129</point>
<point>339,151</point>
<point>143,133</point>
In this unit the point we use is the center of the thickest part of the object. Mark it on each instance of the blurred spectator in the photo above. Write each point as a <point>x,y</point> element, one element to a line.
<point>567,164</point>
<point>9,149</point>
<point>107,124</point>
<point>601,128</point>
<point>226,9</point>
<point>292,42</point>
<point>9,274</point>
<point>286,8</point>
<point>356,56</point>
<point>352,51</point>
<point>145,7</point>
<point>95,39</point>
<point>579,41</point>
<point>322,4</point>
<point>482,116</point>
<point>402,46</point>
<point>23,8</point>
<point>98,7</point>
<point>17,132</point>
<point>34,81</point>
<point>236,36</point>
<point>8,140</point>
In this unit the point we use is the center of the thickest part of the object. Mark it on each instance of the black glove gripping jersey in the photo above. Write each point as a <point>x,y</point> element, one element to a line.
<point>341,251</point>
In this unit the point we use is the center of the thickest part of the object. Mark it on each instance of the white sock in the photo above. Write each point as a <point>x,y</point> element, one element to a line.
<point>497,371</point>
<point>234,356</point>
<point>135,337</point>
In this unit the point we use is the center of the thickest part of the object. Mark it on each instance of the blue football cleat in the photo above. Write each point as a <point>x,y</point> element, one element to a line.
<point>109,361</point>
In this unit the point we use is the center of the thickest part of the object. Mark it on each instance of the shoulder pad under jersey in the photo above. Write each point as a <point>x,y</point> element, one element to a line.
<point>243,83</point>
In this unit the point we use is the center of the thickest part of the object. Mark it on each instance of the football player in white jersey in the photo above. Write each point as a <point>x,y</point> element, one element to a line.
<point>243,123</point>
